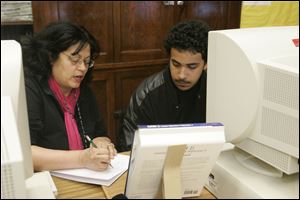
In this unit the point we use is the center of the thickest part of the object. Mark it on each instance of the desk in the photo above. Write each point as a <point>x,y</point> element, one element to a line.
<point>68,189</point>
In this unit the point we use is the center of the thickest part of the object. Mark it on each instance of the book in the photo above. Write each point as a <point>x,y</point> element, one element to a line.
<point>105,178</point>
<point>202,142</point>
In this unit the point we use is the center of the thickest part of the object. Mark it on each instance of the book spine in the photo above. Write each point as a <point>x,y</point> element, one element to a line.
<point>211,124</point>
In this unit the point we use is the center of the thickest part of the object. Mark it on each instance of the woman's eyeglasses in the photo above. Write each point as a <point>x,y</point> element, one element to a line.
<point>76,60</point>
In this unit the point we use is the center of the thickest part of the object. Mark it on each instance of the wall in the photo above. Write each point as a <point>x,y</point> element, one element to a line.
<point>269,13</point>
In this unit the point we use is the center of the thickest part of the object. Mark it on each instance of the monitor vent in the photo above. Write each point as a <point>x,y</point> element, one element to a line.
<point>280,126</point>
<point>7,187</point>
<point>281,88</point>
<point>269,155</point>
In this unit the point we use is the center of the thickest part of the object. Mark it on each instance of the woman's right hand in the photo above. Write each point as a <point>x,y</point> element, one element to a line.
<point>95,158</point>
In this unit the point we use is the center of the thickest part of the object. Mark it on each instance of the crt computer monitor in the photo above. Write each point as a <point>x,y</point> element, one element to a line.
<point>253,89</point>
<point>16,158</point>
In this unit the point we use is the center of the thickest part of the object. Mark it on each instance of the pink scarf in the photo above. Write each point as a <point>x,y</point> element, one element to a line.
<point>68,104</point>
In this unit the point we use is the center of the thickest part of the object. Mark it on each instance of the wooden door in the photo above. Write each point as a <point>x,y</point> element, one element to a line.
<point>140,27</point>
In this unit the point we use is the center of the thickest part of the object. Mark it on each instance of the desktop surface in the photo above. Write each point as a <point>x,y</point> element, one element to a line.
<point>68,189</point>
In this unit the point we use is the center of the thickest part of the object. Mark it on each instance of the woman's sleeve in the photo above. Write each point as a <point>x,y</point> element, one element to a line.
<point>35,119</point>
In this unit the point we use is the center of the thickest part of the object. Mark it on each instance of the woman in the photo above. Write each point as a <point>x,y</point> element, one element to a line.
<point>62,110</point>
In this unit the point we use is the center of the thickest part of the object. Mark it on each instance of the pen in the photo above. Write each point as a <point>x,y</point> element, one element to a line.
<point>94,145</point>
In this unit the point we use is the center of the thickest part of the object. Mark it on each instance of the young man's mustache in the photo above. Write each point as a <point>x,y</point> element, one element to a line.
<point>182,81</point>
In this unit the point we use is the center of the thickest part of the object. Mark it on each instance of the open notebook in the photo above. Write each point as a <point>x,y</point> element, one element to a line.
<point>106,178</point>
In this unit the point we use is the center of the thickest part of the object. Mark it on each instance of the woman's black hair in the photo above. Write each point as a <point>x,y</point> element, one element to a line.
<point>189,35</point>
<point>44,47</point>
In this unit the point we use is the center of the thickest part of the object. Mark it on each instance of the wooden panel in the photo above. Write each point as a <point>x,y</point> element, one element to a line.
<point>96,17</point>
<point>103,88</point>
<point>140,28</point>
<point>43,12</point>
<point>217,14</point>
<point>234,14</point>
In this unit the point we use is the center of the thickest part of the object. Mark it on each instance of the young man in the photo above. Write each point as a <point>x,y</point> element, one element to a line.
<point>177,94</point>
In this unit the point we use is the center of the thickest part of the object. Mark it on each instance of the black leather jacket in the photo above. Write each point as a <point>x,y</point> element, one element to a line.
<point>158,101</point>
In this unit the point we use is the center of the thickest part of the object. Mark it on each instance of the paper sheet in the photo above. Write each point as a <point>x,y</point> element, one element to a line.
<point>107,177</point>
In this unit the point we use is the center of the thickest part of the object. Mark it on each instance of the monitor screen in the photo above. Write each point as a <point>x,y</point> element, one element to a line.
<point>253,89</point>
<point>16,158</point>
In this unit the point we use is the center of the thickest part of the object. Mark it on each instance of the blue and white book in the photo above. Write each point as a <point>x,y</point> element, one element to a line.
<point>204,142</point>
